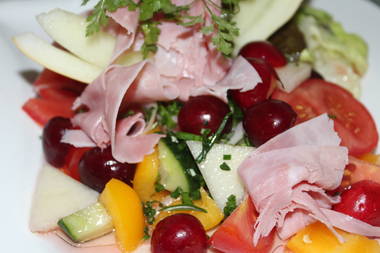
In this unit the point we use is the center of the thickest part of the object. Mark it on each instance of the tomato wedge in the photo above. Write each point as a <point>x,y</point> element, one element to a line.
<point>352,120</point>
<point>236,232</point>
<point>56,95</point>
<point>42,110</point>
<point>50,79</point>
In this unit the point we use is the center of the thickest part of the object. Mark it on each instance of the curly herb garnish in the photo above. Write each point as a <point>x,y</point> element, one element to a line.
<point>222,26</point>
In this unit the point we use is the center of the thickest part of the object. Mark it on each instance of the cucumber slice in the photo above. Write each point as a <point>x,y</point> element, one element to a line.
<point>222,183</point>
<point>177,166</point>
<point>86,224</point>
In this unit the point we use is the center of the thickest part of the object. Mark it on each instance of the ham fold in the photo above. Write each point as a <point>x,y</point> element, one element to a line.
<point>287,178</point>
<point>186,64</point>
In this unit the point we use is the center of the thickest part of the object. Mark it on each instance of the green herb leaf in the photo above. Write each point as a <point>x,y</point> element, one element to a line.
<point>227,157</point>
<point>223,27</point>
<point>230,205</point>
<point>149,211</point>
<point>224,166</point>
<point>183,207</point>
<point>209,141</point>
<point>98,17</point>
<point>158,187</point>
<point>187,136</point>
<point>177,192</point>
<point>146,233</point>
<point>151,33</point>
<point>167,112</point>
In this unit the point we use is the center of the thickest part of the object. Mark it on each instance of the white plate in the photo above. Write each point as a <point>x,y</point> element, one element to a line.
<point>20,148</point>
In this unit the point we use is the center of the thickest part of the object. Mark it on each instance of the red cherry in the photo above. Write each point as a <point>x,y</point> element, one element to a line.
<point>203,112</point>
<point>267,119</point>
<point>262,91</point>
<point>362,201</point>
<point>97,167</point>
<point>265,51</point>
<point>54,150</point>
<point>179,233</point>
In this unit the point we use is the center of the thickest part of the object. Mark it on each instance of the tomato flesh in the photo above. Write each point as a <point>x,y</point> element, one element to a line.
<point>56,95</point>
<point>235,234</point>
<point>352,120</point>
<point>42,110</point>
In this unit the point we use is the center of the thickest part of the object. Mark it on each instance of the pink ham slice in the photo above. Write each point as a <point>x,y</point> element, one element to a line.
<point>184,65</point>
<point>287,178</point>
<point>103,99</point>
<point>125,36</point>
<point>241,76</point>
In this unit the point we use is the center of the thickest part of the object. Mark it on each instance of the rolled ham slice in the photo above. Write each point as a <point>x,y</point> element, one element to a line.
<point>103,99</point>
<point>288,176</point>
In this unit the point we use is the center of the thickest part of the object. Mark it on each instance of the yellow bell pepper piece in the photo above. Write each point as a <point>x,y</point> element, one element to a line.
<point>317,238</point>
<point>209,220</point>
<point>125,208</point>
<point>146,176</point>
<point>371,158</point>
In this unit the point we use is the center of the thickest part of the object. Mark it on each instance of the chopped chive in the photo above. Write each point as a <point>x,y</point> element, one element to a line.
<point>183,207</point>
<point>188,136</point>
<point>209,141</point>
<point>230,205</point>
<point>159,187</point>
<point>227,157</point>
<point>224,166</point>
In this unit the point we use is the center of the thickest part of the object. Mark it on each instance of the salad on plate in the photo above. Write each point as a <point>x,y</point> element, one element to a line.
<point>195,126</point>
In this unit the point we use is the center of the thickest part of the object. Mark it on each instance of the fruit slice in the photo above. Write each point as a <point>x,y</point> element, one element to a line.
<point>222,183</point>
<point>317,238</point>
<point>42,110</point>
<point>146,176</point>
<point>209,220</point>
<point>57,195</point>
<point>236,232</point>
<point>56,59</point>
<point>69,30</point>
<point>125,208</point>
<point>258,19</point>
<point>87,224</point>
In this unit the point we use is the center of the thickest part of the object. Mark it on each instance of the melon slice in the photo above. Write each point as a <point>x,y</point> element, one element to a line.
<point>258,19</point>
<point>222,183</point>
<point>57,195</point>
<point>56,59</point>
<point>69,30</point>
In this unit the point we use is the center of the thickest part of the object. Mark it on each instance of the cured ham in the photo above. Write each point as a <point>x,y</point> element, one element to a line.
<point>184,65</point>
<point>287,178</point>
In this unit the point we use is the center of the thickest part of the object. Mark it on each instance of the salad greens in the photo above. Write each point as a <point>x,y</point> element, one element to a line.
<point>340,57</point>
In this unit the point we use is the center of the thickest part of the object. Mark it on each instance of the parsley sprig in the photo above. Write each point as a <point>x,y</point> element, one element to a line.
<point>223,28</point>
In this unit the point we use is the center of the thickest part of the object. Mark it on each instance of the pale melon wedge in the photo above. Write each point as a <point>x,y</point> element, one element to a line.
<point>55,59</point>
<point>69,30</point>
<point>258,19</point>
<point>57,195</point>
<point>221,183</point>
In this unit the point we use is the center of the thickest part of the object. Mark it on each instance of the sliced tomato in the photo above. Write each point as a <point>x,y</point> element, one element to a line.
<point>235,235</point>
<point>50,79</point>
<point>42,110</point>
<point>73,159</point>
<point>352,120</point>
<point>56,95</point>
<point>357,170</point>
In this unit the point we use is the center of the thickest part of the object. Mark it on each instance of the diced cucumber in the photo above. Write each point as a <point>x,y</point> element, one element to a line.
<point>86,224</point>
<point>177,165</point>
<point>221,182</point>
